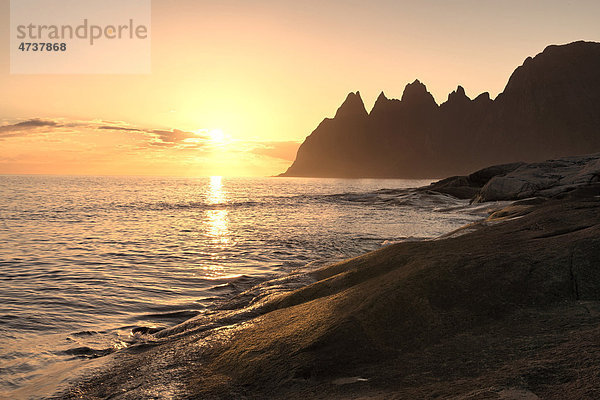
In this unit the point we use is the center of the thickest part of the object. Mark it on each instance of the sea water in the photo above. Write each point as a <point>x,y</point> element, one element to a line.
<point>86,261</point>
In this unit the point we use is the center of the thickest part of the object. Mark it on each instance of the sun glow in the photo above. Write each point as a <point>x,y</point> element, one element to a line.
<point>217,136</point>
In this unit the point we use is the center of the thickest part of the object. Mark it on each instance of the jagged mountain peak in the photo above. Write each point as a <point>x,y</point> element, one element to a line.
<point>483,97</point>
<point>352,107</point>
<point>416,93</point>
<point>385,107</point>
<point>458,95</point>
<point>380,104</point>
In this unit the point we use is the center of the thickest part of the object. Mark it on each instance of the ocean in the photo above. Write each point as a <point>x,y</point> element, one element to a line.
<point>86,263</point>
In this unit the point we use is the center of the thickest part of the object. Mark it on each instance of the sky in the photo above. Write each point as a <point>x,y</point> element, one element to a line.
<point>236,85</point>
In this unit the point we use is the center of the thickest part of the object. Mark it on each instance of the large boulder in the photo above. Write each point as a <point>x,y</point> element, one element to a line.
<point>546,179</point>
<point>467,187</point>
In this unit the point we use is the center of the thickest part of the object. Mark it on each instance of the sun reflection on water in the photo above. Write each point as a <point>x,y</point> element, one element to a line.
<point>217,219</point>
<point>216,227</point>
<point>215,194</point>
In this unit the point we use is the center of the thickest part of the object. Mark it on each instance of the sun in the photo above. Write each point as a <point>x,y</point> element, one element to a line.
<point>217,136</point>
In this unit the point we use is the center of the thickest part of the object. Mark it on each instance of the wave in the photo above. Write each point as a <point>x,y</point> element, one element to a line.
<point>387,197</point>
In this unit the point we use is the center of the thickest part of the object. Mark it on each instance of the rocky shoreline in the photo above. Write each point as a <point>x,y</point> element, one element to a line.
<point>509,310</point>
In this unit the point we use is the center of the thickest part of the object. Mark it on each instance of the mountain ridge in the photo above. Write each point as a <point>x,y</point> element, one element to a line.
<point>549,108</point>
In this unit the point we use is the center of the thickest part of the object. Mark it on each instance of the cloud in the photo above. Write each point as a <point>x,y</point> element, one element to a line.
<point>161,144</point>
<point>118,128</point>
<point>26,127</point>
<point>64,145</point>
<point>160,137</point>
<point>174,138</point>
<point>146,138</point>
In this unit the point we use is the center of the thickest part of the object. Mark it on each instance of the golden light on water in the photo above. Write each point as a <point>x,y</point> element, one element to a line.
<point>218,236</point>
<point>216,227</point>
<point>217,230</point>
<point>215,193</point>
<point>217,220</point>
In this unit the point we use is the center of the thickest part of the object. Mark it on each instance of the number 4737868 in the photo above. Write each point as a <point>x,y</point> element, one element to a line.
<point>43,46</point>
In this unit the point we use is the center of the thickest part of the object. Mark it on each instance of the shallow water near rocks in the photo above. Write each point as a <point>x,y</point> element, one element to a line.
<point>90,265</point>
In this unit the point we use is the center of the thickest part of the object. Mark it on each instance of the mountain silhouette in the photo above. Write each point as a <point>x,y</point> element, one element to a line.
<point>550,108</point>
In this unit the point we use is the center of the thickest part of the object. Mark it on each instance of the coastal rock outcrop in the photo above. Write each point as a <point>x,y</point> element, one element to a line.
<point>550,108</point>
<point>467,187</point>
<point>545,179</point>
<point>518,181</point>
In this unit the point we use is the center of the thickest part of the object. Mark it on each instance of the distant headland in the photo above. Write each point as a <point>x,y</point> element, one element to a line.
<point>549,108</point>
